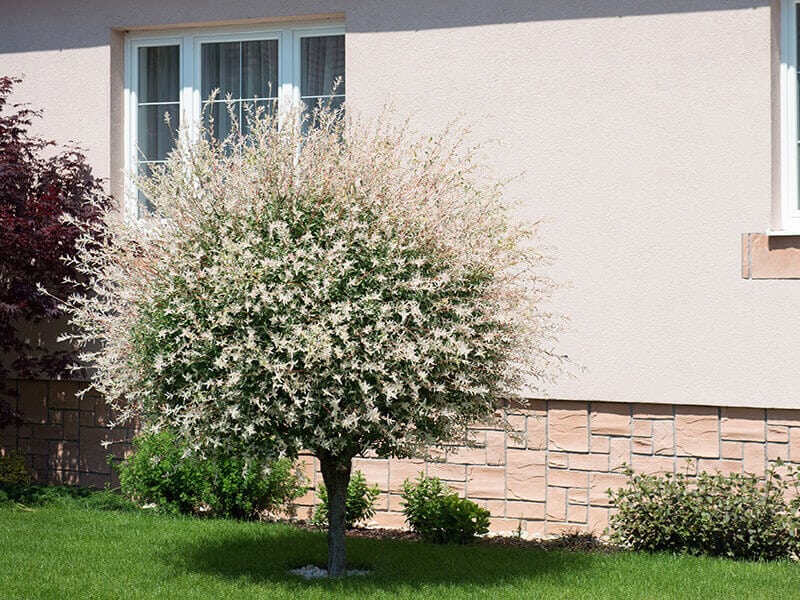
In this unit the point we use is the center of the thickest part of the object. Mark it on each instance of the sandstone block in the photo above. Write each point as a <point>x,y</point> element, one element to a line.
<point>63,456</point>
<point>742,424</point>
<point>525,510</point>
<point>557,460</point>
<point>486,482</point>
<point>610,419</point>
<point>376,471</point>
<point>589,462</point>
<point>400,470</point>
<point>526,485</point>
<point>600,444</point>
<point>732,450</point>
<point>651,465</point>
<point>33,400</point>
<point>777,433</point>
<point>567,479</point>
<point>643,428</point>
<point>619,453</point>
<point>495,447</point>
<point>725,467</point>
<point>652,411</point>
<point>598,519</point>
<point>556,507</point>
<point>577,513</point>
<point>755,459</point>
<point>447,471</point>
<point>537,432</point>
<point>697,431</point>
<point>642,445</point>
<point>663,438</point>
<point>569,426</point>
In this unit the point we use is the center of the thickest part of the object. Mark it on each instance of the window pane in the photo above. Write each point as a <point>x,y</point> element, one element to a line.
<point>221,69</point>
<point>155,137</point>
<point>159,74</point>
<point>321,63</point>
<point>260,69</point>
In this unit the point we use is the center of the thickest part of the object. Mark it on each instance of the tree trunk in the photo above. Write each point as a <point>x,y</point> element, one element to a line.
<point>336,473</point>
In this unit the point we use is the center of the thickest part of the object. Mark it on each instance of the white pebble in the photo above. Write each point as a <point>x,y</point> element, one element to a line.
<point>315,572</point>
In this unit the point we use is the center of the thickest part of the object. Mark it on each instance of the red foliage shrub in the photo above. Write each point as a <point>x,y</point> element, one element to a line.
<point>39,182</point>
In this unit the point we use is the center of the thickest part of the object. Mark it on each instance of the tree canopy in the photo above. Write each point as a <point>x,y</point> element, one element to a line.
<point>339,287</point>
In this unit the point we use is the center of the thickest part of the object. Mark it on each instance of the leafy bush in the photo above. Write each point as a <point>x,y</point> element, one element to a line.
<point>738,516</point>
<point>440,515</point>
<point>236,489</point>
<point>13,469</point>
<point>163,472</point>
<point>360,503</point>
<point>160,473</point>
<point>35,495</point>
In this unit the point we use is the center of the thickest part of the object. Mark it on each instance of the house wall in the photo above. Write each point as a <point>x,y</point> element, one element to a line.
<point>548,476</point>
<point>641,132</point>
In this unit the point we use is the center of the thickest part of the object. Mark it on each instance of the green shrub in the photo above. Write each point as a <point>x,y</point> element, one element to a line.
<point>737,516</point>
<point>163,472</point>
<point>13,469</point>
<point>34,495</point>
<point>360,503</point>
<point>159,472</point>
<point>236,489</point>
<point>440,515</point>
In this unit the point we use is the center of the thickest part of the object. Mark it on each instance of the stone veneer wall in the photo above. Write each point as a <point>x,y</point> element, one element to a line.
<point>65,437</point>
<point>548,477</point>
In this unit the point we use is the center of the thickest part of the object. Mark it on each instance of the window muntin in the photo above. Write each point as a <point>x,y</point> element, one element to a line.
<point>255,66</point>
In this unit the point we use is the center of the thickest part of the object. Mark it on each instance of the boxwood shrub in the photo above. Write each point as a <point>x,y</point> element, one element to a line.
<point>439,515</point>
<point>737,516</point>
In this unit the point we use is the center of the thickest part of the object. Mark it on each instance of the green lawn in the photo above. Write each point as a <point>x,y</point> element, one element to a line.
<point>57,552</point>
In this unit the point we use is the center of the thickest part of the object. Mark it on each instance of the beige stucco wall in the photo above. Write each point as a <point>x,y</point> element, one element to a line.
<point>642,131</point>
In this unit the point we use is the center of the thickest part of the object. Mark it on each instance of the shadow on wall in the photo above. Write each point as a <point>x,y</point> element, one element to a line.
<point>57,25</point>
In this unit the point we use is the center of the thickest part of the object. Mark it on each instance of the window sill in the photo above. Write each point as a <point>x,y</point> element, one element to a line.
<point>771,255</point>
<point>782,233</point>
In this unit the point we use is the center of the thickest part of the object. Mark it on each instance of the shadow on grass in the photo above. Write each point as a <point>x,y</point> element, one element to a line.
<point>263,555</point>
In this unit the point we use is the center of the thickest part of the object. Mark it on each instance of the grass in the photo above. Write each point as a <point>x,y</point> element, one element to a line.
<point>71,552</point>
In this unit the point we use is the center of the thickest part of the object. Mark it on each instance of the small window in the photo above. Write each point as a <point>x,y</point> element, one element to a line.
<point>790,157</point>
<point>169,80</point>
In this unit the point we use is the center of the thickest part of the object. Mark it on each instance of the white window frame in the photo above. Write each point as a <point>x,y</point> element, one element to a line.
<point>790,198</point>
<point>189,43</point>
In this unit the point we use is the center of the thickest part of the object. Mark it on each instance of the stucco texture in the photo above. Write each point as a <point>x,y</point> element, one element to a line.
<point>640,131</point>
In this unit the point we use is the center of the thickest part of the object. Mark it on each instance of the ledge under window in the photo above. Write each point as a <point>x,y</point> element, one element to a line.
<point>771,255</point>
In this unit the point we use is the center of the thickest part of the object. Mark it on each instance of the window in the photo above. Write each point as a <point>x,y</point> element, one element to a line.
<point>172,75</point>
<point>790,194</point>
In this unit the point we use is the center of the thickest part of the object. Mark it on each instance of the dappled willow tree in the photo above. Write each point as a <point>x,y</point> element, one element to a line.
<point>39,182</point>
<point>340,288</point>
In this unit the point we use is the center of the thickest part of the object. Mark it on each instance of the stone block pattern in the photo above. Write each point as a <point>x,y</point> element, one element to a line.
<point>548,475</point>
<point>66,437</point>
<point>551,474</point>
